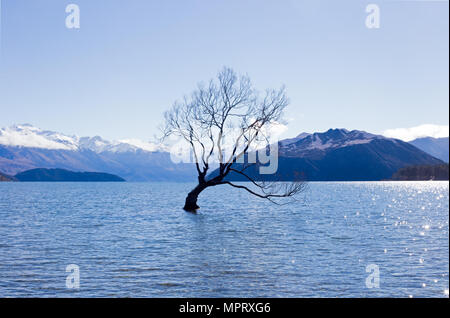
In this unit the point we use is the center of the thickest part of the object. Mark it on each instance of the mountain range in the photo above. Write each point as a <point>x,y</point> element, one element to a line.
<point>24,147</point>
<point>337,154</point>
<point>437,147</point>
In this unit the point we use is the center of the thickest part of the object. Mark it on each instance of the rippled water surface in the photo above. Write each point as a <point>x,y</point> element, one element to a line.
<point>132,239</point>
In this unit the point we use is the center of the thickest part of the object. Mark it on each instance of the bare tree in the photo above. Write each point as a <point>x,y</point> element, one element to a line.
<point>228,113</point>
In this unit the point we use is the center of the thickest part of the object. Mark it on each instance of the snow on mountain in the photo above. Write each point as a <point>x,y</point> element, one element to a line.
<point>289,141</point>
<point>126,144</point>
<point>96,144</point>
<point>29,136</point>
<point>32,137</point>
<point>331,139</point>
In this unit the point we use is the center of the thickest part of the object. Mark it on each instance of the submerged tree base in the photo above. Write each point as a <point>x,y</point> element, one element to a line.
<point>190,204</point>
<point>191,209</point>
<point>191,200</point>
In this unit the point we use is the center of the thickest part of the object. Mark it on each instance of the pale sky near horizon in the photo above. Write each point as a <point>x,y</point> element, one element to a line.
<point>130,60</point>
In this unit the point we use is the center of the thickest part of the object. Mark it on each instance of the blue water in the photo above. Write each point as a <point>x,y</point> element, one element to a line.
<point>132,239</point>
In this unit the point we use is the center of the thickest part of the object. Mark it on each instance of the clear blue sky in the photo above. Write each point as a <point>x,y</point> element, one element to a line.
<point>130,60</point>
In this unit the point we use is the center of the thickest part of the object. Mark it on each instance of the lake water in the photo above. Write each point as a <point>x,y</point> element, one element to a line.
<point>134,240</point>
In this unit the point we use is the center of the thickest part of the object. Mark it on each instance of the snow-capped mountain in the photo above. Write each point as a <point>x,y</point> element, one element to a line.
<point>341,155</point>
<point>29,136</point>
<point>24,147</point>
<point>305,144</point>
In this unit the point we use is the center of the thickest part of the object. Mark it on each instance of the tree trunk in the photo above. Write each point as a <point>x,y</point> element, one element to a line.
<point>191,199</point>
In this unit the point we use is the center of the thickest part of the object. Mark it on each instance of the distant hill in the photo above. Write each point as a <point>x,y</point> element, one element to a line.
<point>437,147</point>
<point>340,155</point>
<point>5,177</point>
<point>418,173</point>
<point>61,175</point>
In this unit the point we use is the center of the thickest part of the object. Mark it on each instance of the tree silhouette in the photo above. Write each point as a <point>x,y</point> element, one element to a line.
<point>222,122</point>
